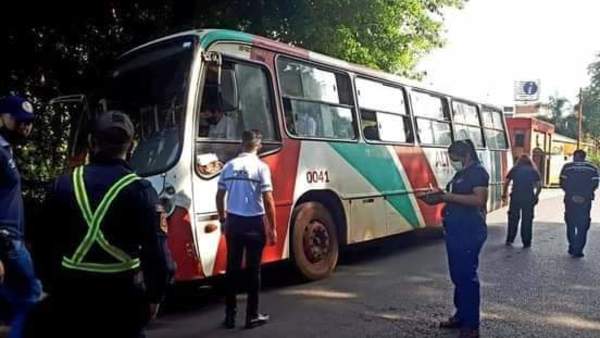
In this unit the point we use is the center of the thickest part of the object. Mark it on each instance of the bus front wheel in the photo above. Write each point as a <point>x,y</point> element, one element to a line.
<point>314,241</point>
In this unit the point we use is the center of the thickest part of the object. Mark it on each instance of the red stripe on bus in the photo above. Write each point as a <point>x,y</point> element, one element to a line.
<point>182,247</point>
<point>284,168</point>
<point>420,174</point>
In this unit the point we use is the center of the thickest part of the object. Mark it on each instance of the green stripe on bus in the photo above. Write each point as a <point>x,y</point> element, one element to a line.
<point>376,165</point>
<point>222,34</point>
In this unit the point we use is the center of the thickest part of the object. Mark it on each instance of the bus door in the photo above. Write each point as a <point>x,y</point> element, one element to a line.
<point>237,95</point>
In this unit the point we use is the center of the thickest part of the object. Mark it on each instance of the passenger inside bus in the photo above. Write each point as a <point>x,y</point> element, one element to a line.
<point>222,126</point>
<point>305,125</point>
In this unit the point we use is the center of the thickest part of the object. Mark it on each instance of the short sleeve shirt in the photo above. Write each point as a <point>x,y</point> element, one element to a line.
<point>579,178</point>
<point>524,180</point>
<point>11,200</point>
<point>464,183</point>
<point>245,178</point>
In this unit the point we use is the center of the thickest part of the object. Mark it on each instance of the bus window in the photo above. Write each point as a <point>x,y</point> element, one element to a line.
<point>221,122</point>
<point>253,110</point>
<point>383,112</point>
<point>151,86</point>
<point>433,123</point>
<point>494,129</point>
<point>466,123</point>
<point>317,103</point>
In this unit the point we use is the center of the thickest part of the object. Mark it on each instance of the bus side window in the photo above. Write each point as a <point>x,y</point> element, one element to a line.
<point>494,131</point>
<point>220,124</point>
<point>466,123</point>
<point>432,120</point>
<point>383,112</point>
<point>317,103</point>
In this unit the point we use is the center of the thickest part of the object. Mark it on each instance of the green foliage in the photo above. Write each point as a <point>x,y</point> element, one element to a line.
<point>591,104</point>
<point>594,157</point>
<point>386,34</point>
<point>564,125</point>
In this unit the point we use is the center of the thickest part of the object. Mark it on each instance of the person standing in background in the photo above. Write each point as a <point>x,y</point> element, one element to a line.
<point>526,189</point>
<point>579,180</point>
<point>19,288</point>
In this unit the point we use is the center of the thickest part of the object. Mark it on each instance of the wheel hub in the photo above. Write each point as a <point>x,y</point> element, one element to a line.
<point>316,241</point>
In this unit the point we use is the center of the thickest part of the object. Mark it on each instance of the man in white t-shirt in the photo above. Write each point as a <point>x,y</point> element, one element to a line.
<point>246,182</point>
<point>223,126</point>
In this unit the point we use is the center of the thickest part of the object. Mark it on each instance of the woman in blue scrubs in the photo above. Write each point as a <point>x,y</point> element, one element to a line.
<point>466,231</point>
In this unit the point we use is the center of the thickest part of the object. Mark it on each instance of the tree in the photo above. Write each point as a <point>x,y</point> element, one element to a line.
<point>388,35</point>
<point>591,103</point>
<point>565,125</point>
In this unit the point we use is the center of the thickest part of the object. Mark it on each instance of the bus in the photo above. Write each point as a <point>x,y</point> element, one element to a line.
<point>348,147</point>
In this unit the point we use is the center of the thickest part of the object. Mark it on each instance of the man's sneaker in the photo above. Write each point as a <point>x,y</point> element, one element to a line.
<point>577,255</point>
<point>508,243</point>
<point>450,323</point>
<point>258,320</point>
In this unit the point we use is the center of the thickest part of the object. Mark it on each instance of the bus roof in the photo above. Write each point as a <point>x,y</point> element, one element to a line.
<point>207,37</point>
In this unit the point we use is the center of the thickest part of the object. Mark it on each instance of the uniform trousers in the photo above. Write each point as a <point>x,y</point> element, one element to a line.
<point>245,235</point>
<point>465,236</point>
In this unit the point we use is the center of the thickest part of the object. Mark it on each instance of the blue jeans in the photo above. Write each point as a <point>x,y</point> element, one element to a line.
<point>463,247</point>
<point>577,217</point>
<point>21,289</point>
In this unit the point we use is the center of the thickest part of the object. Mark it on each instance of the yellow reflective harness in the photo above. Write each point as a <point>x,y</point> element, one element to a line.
<point>94,234</point>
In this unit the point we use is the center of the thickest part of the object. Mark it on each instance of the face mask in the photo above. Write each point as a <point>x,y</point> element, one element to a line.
<point>457,165</point>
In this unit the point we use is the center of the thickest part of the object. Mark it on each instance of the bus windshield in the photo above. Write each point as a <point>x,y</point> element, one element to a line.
<point>151,87</point>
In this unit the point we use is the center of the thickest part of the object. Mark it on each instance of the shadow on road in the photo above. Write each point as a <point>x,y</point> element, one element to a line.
<point>194,296</point>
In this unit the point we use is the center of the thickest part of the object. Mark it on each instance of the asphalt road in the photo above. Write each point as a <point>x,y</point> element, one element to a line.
<point>401,288</point>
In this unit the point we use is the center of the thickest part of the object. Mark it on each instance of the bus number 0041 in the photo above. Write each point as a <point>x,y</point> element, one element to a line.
<point>317,176</point>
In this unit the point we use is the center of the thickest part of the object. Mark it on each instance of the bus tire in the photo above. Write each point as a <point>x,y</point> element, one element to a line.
<point>314,241</point>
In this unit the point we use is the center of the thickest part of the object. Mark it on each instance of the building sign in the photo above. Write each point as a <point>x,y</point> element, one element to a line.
<point>527,90</point>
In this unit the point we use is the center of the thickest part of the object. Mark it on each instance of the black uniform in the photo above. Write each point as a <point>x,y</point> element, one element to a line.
<point>579,180</point>
<point>522,202</point>
<point>103,304</point>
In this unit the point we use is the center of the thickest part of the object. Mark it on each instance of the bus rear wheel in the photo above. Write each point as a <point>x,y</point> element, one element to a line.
<point>314,241</point>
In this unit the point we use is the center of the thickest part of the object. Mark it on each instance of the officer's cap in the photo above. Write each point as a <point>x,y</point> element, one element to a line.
<point>114,120</point>
<point>19,108</point>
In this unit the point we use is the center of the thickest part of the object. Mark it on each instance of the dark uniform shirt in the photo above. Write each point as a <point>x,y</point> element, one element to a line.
<point>132,224</point>
<point>579,179</point>
<point>524,180</point>
<point>11,199</point>
<point>463,183</point>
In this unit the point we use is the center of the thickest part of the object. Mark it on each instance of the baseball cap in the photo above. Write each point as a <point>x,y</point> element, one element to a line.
<point>17,107</point>
<point>114,119</point>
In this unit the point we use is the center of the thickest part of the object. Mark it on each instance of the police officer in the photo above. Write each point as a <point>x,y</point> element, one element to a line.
<point>466,231</point>
<point>579,180</point>
<point>20,288</point>
<point>246,181</point>
<point>103,225</point>
<point>525,194</point>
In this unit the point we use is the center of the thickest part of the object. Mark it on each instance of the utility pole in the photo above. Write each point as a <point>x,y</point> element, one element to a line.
<point>579,118</point>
